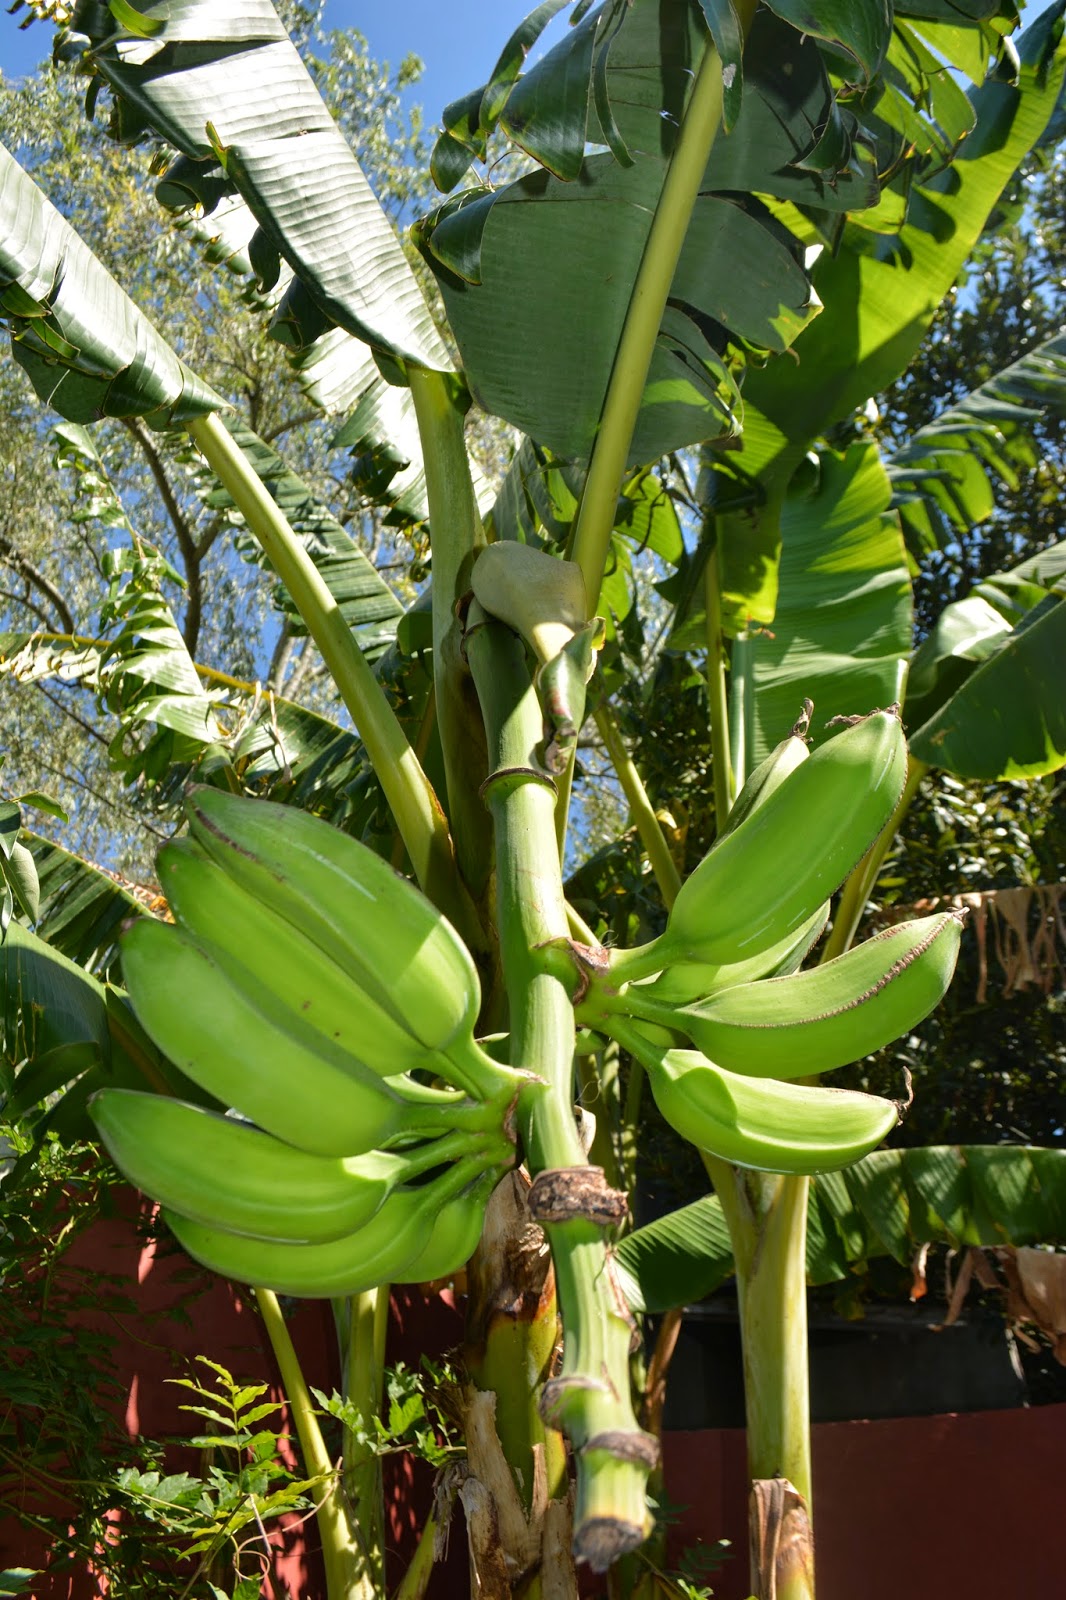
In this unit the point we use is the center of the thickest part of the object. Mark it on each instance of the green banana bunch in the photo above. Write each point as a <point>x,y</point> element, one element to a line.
<point>386,1249</point>
<point>344,899</point>
<point>763,880</point>
<point>759,1122</point>
<point>253,1052</point>
<point>814,1021</point>
<point>215,908</point>
<point>228,1175</point>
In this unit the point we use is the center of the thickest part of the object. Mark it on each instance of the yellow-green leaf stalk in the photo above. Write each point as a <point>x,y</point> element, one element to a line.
<point>416,809</point>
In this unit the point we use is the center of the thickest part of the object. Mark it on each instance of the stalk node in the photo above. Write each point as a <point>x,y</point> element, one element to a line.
<point>562,1194</point>
<point>557,1391</point>
<point>601,1541</point>
<point>625,1444</point>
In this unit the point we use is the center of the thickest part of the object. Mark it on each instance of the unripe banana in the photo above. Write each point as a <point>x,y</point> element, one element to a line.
<point>758,1122</point>
<point>345,899</point>
<point>211,906</point>
<point>379,1252</point>
<point>763,881</point>
<point>824,1018</point>
<point>231,1176</point>
<point>456,1235</point>
<point>771,773</point>
<point>233,1039</point>
<point>694,980</point>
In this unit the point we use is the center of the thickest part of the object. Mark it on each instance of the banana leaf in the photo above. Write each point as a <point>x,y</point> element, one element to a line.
<point>944,478</point>
<point>881,292</point>
<point>844,622</point>
<point>985,692</point>
<point>82,342</point>
<point>225,86</point>
<point>888,1204</point>
<point>537,276</point>
<point>363,597</point>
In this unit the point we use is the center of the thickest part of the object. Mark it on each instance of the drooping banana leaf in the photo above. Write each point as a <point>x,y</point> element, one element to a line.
<point>82,909</point>
<point>64,1036</point>
<point>880,294</point>
<point>985,692</point>
<point>225,86</point>
<point>944,478</point>
<point>537,276</point>
<point>365,600</point>
<point>84,345</point>
<point>888,1204</point>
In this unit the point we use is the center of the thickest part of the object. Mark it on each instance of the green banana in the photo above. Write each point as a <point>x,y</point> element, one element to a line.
<point>210,906</point>
<point>456,1235</point>
<point>756,1122</point>
<point>342,897</point>
<point>233,1039</point>
<point>824,1018</point>
<point>766,878</point>
<point>379,1252</point>
<point>234,1177</point>
<point>694,980</point>
<point>771,773</point>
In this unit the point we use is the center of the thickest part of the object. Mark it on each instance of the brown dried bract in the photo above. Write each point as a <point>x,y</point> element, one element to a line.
<point>565,1194</point>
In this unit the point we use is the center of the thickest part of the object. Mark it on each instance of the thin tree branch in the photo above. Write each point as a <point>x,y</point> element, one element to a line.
<point>30,605</point>
<point>25,569</point>
<point>298,421</point>
<point>280,659</point>
<point>190,553</point>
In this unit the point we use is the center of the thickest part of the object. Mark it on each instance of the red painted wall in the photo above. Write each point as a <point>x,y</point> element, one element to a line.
<point>924,1508</point>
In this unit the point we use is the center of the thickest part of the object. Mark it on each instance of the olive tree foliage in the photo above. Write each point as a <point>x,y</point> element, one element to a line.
<point>59,512</point>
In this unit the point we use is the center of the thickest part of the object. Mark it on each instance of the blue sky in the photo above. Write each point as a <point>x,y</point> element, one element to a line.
<point>458,42</point>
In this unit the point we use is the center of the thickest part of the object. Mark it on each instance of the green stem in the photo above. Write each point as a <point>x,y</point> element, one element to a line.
<point>741,708</point>
<point>455,534</point>
<point>859,886</point>
<point>640,807</point>
<point>721,756</point>
<point>365,1320</point>
<point>595,518</point>
<point>590,1399</point>
<point>341,1555</point>
<point>415,1581</point>
<point>410,795</point>
<point>767,1220</point>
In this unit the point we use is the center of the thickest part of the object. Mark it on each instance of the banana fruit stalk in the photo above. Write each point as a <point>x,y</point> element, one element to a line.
<point>763,880</point>
<point>228,1175</point>
<point>432,1220</point>
<point>815,1021</point>
<point>760,1123</point>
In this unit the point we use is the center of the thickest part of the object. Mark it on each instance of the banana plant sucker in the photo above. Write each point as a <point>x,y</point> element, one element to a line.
<point>589,1400</point>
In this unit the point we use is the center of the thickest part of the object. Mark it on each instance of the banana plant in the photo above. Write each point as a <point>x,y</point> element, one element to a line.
<point>595,304</point>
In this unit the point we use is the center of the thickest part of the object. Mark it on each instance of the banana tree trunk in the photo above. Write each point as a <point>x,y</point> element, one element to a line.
<point>767,1219</point>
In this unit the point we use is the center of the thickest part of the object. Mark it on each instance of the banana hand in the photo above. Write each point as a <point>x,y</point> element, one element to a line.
<point>235,1178</point>
<point>824,1018</point>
